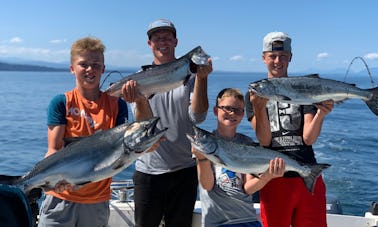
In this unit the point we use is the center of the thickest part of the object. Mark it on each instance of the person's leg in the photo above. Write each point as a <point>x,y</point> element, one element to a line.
<point>277,202</point>
<point>57,212</point>
<point>149,198</point>
<point>181,198</point>
<point>312,210</point>
<point>96,215</point>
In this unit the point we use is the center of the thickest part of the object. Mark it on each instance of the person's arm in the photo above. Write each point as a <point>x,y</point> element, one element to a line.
<point>313,123</point>
<point>253,184</point>
<point>131,94</point>
<point>55,135</point>
<point>199,101</point>
<point>204,170</point>
<point>260,121</point>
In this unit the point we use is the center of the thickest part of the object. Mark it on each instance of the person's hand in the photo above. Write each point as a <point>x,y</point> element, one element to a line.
<point>203,71</point>
<point>156,145</point>
<point>276,168</point>
<point>325,107</point>
<point>257,101</point>
<point>130,92</point>
<point>198,154</point>
<point>64,185</point>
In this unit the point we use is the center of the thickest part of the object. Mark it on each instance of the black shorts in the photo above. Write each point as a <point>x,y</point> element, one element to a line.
<point>169,195</point>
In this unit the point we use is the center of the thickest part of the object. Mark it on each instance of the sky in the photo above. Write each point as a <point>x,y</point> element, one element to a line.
<point>326,34</point>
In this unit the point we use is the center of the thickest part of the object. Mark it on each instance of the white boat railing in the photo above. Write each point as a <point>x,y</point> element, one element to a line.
<point>122,210</point>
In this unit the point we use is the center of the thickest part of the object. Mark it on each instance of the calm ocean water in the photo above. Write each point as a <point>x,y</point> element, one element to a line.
<point>349,138</point>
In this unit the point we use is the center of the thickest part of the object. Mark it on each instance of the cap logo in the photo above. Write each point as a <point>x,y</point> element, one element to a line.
<point>278,46</point>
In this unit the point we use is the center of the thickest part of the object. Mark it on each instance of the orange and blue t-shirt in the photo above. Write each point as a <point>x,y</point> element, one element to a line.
<point>82,118</point>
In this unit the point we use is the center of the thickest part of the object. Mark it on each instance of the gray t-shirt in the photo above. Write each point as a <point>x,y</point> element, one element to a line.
<point>227,203</point>
<point>175,113</point>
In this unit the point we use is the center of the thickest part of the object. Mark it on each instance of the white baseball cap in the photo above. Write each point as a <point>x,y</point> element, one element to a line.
<point>161,24</point>
<point>277,41</point>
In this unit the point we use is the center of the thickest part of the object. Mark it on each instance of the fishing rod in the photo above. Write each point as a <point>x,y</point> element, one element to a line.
<point>109,74</point>
<point>366,66</point>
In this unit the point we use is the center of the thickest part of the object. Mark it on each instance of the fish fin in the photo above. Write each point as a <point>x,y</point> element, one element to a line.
<point>339,102</point>
<point>187,79</point>
<point>148,67</point>
<point>255,175</point>
<point>282,97</point>
<point>315,75</point>
<point>34,194</point>
<point>373,102</point>
<point>118,164</point>
<point>47,187</point>
<point>78,185</point>
<point>316,170</point>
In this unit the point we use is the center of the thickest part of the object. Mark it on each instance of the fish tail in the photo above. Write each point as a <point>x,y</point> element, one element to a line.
<point>310,180</point>
<point>373,102</point>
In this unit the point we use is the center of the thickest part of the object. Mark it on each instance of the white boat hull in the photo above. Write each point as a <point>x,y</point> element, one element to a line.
<point>122,210</point>
<point>122,214</point>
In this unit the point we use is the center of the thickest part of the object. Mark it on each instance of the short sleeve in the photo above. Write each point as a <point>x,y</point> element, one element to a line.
<point>56,111</point>
<point>122,115</point>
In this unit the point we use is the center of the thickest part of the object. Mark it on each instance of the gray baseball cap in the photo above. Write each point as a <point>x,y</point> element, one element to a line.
<point>161,24</point>
<point>277,41</point>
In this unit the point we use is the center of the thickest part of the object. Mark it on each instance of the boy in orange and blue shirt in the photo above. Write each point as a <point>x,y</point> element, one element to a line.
<point>81,112</point>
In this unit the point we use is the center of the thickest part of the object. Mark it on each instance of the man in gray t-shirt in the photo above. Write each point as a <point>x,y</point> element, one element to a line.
<point>166,180</point>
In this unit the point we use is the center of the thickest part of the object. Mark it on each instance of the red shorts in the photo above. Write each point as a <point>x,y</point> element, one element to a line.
<point>286,201</point>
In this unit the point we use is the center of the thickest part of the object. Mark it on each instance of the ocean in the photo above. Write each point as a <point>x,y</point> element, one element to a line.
<point>348,141</point>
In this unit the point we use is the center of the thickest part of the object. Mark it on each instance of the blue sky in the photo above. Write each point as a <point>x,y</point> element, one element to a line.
<point>326,34</point>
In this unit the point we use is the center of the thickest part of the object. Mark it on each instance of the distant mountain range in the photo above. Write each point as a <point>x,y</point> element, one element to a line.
<point>38,66</point>
<point>24,67</point>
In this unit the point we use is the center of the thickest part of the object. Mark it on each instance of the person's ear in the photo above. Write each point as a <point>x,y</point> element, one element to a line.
<point>215,110</point>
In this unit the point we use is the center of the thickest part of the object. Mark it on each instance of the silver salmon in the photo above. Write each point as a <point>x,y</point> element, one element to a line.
<point>93,158</point>
<point>249,158</point>
<point>165,77</point>
<point>310,89</point>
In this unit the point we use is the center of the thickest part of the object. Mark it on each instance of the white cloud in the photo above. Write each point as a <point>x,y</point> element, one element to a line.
<point>38,54</point>
<point>129,58</point>
<point>16,40</point>
<point>57,41</point>
<point>322,55</point>
<point>237,58</point>
<point>371,56</point>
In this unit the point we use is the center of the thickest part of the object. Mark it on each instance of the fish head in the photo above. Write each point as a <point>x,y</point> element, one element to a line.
<point>199,57</point>
<point>140,136</point>
<point>262,88</point>
<point>203,141</point>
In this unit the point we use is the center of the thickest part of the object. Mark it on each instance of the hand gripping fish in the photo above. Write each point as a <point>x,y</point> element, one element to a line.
<point>93,158</point>
<point>249,159</point>
<point>164,77</point>
<point>310,89</point>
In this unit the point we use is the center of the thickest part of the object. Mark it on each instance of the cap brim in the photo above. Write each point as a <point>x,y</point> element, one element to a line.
<point>151,31</point>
